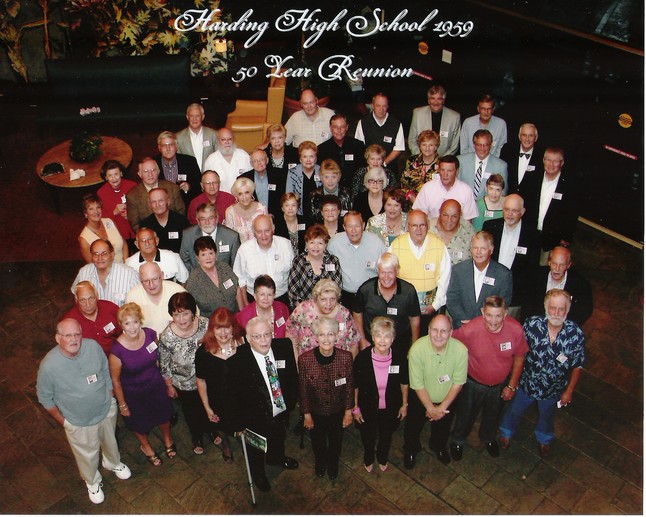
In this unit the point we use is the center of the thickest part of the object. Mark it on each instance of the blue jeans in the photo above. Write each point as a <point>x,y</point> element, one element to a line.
<point>544,429</point>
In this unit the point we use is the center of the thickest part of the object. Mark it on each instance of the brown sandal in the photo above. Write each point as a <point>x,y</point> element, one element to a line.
<point>153,459</point>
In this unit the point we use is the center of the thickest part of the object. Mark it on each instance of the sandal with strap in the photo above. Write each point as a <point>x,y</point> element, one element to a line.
<point>198,447</point>
<point>153,459</point>
<point>171,451</point>
<point>227,455</point>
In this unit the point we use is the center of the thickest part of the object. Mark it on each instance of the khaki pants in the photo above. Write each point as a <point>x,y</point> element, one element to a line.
<point>87,442</point>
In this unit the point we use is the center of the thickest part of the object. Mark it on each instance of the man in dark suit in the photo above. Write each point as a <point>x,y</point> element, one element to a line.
<point>180,169</point>
<point>524,162</point>
<point>269,187</point>
<point>263,384</point>
<point>227,240</point>
<point>345,150</point>
<point>559,275</point>
<point>516,246</point>
<point>551,203</point>
<point>472,281</point>
<point>477,166</point>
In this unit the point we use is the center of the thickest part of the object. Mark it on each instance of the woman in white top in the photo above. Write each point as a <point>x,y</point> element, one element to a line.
<point>240,216</point>
<point>98,227</point>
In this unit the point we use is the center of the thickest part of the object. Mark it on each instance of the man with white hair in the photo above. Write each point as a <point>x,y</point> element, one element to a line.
<point>170,262</point>
<point>197,140</point>
<point>228,161</point>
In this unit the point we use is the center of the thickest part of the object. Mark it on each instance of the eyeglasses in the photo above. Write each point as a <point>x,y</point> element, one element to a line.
<point>87,300</point>
<point>150,281</point>
<point>375,182</point>
<point>102,254</point>
<point>70,336</point>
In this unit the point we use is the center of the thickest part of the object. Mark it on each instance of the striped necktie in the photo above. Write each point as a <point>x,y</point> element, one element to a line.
<point>478,181</point>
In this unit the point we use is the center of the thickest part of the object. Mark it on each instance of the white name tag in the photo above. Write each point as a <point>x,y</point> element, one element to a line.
<point>457,254</point>
<point>317,178</point>
<point>271,186</point>
<point>489,281</point>
<point>393,368</point>
<point>444,378</point>
<point>173,235</point>
<point>325,135</point>
<point>531,168</point>
<point>349,157</point>
<point>206,144</point>
<point>108,328</point>
<point>181,177</point>
<point>280,322</point>
<point>291,165</point>
<point>341,326</point>
<point>240,171</point>
<point>280,363</point>
<point>488,213</point>
<point>123,199</point>
<point>429,267</point>
<point>561,358</point>
<point>343,212</point>
<point>109,224</point>
<point>300,227</point>
<point>485,175</point>
<point>391,311</point>
<point>388,139</point>
<point>330,267</point>
<point>340,382</point>
<point>223,248</point>
<point>276,257</point>
<point>521,250</point>
<point>557,195</point>
<point>119,296</point>
<point>228,284</point>
<point>91,379</point>
<point>152,347</point>
<point>370,265</point>
<point>505,346</point>
<point>444,134</point>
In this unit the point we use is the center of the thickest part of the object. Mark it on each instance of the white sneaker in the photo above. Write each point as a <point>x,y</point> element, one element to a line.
<point>96,494</point>
<point>121,470</point>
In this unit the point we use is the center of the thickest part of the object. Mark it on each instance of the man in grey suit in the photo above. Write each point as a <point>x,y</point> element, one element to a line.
<point>476,167</point>
<point>227,240</point>
<point>439,118</point>
<point>197,140</point>
<point>472,281</point>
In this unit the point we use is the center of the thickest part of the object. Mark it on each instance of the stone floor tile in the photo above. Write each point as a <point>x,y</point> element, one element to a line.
<point>511,492</point>
<point>547,507</point>
<point>430,473</point>
<point>594,502</point>
<point>15,457</point>
<point>628,466</point>
<point>517,460</point>
<point>38,486</point>
<point>565,491</point>
<point>418,500</point>
<point>467,498</point>
<point>199,498</point>
<point>11,398</point>
<point>594,476</point>
<point>593,444</point>
<point>29,424</point>
<point>175,475</point>
<point>132,488</point>
<point>375,504</point>
<point>476,467</point>
<point>155,500</point>
<point>629,500</point>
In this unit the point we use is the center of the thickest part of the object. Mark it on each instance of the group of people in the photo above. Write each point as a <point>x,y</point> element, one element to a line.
<point>314,271</point>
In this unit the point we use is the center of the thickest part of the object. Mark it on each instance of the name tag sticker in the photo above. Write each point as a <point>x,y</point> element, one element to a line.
<point>561,358</point>
<point>317,178</point>
<point>485,175</point>
<point>531,168</point>
<point>488,213</point>
<point>349,157</point>
<point>223,248</point>
<point>123,199</point>
<point>300,227</point>
<point>521,250</point>
<point>91,379</point>
<point>276,257</point>
<point>457,254</point>
<point>341,326</point>
<point>340,382</point>
<point>505,346</point>
<point>388,139</point>
<point>108,328</point>
<point>206,143</point>
<point>325,134</point>
<point>393,368</point>
<point>391,311</point>
<point>444,134</point>
<point>271,186</point>
<point>173,235</point>
<point>280,363</point>
<point>330,267</point>
<point>557,195</point>
<point>280,322</point>
<point>181,177</point>
<point>291,165</point>
<point>429,267</point>
<point>489,281</point>
<point>343,212</point>
<point>152,347</point>
<point>228,284</point>
<point>370,264</point>
<point>119,296</point>
<point>444,378</point>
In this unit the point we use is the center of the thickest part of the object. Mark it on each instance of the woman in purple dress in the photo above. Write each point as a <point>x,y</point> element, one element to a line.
<point>138,384</point>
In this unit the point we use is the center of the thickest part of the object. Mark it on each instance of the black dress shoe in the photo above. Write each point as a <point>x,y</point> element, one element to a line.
<point>287,463</point>
<point>456,451</point>
<point>444,456</point>
<point>493,449</point>
<point>333,472</point>
<point>320,470</point>
<point>409,461</point>
<point>262,484</point>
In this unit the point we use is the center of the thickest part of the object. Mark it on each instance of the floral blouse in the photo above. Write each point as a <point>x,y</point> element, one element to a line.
<point>177,355</point>
<point>417,173</point>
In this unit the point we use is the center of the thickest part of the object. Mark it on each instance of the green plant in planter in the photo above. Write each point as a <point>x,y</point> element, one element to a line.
<point>85,147</point>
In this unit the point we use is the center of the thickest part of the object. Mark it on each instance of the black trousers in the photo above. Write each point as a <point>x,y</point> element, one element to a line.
<point>380,426</point>
<point>473,397</point>
<point>275,434</point>
<point>194,412</point>
<point>327,437</point>
<point>415,420</point>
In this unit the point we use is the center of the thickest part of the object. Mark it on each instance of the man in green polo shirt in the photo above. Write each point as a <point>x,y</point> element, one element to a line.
<point>437,366</point>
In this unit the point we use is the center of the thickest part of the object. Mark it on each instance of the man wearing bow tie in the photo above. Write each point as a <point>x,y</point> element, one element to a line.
<point>524,161</point>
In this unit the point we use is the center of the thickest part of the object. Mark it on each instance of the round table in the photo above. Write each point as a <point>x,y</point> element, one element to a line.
<point>112,149</point>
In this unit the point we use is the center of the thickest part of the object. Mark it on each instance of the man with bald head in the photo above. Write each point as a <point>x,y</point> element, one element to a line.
<point>228,160</point>
<point>265,254</point>
<point>311,122</point>
<point>523,161</point>
<point>211,193</point>
<point>98,318</point>
<point>75,388</point>
<point>170,262</point>
<point>166,223</point>
<point>455,232</point>
<point>516,246</point>
<point>269,187</point>
<point>152,296</point>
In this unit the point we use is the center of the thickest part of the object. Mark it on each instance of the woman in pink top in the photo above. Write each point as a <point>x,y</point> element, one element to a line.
<point>265,306</point>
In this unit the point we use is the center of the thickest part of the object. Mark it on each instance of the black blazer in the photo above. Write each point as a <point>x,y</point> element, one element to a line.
<point>281,229</point>
<point>365,382</point>
<point>509,154</point>
<point>278,178</point>
<point>561,217</point>
<point>245,385</point>
<point>186,164</point>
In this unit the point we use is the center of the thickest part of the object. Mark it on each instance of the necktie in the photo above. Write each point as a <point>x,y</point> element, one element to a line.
<point>526,155</point>
<point>478,180</point>
<point>274,383</point>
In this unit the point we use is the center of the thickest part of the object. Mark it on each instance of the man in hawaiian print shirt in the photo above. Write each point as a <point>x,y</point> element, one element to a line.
<point>552,369</point>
